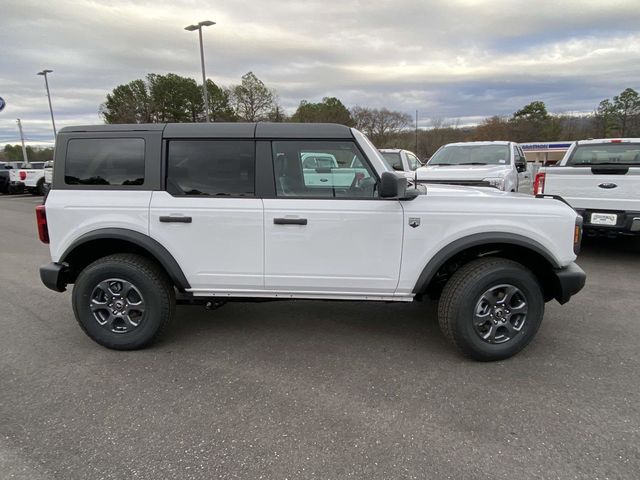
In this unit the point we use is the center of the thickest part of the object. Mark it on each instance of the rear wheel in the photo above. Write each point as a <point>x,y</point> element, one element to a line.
<point>123,301</point>
<point>491,308</point>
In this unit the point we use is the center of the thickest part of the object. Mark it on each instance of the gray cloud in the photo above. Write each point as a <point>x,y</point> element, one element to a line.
<point>462,59</point>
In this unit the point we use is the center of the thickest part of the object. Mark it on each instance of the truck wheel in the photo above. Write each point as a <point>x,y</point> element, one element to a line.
<point>39,187</point>
<point>491,308</point>
<point>123,301</point>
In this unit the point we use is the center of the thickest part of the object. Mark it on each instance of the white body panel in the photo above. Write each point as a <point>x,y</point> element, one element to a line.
<point>347,247</point>
<point>221,249</point>
<point>72,213</point>
<point>448,213</point>
<point>31,179</point>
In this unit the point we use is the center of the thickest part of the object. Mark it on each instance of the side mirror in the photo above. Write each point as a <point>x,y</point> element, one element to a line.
<point>397,168</point>
<point>392,185</point>
<point>521,167</point>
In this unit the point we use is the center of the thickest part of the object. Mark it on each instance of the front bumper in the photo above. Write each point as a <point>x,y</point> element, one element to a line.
<point>569,281</point>
<point>628,223</point>
<point>52,275</point>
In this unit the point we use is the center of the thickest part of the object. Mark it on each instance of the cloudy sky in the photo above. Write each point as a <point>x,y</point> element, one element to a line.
<point>450,59</point>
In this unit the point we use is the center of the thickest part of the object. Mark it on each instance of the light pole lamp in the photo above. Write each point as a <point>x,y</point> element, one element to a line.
<point>191,28</point>
<point>46,83</point>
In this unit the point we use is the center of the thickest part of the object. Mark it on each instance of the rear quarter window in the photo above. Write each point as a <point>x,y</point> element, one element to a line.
<point>105,161</point>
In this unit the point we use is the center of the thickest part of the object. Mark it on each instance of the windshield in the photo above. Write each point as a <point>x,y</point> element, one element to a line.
<point>471,155</point>
<point>393,159</point>
<point>606,154</point>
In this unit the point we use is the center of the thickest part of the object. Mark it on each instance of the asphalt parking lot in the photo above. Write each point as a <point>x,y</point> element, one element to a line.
<point>308,389</point>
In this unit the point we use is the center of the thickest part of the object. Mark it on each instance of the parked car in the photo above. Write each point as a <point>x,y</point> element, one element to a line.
<point>501,165</point>
<point>29,177</point>
<point>601,180</point>
<point>401,160</point>
<point>221,212</point>
<point>5,180</point>
<point>48,177</point>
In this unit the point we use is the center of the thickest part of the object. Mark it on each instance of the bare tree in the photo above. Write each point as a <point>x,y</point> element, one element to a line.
<point>379,124</point>
<point>252,100</point>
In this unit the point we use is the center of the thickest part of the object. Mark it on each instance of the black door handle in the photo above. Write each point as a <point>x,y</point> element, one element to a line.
<point>173,219</point>
<point>290,221</point>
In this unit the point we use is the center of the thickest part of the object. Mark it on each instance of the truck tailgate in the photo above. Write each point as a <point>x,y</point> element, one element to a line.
<point>601,188</point>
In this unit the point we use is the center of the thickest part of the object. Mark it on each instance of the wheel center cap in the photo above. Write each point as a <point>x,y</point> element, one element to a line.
<point>499,313</point>
<point>119,304</point>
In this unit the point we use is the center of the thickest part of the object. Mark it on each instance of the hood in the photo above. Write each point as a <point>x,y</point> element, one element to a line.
<point>461,172</point>
<point>459,191</point>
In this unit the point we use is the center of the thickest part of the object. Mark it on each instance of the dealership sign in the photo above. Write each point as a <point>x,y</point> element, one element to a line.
<point>2,104</point>
<point>545,147</point>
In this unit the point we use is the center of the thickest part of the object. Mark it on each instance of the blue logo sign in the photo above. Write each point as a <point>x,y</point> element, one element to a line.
<point>2,104</point>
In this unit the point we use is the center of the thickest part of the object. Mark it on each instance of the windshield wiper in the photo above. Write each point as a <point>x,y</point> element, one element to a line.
<point>473,163</point>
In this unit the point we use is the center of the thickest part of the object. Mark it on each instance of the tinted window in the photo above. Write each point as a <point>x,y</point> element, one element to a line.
<point>319,168</point>
<point>105,161</point>
<point>211,167</point>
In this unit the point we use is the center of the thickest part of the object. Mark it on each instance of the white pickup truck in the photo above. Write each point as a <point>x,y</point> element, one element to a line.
<point>498,164</point>
<point>29,177</point>
<point>141,216</point>
<point>601,180</point>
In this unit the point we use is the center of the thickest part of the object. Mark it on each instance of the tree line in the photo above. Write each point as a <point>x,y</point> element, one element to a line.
<point>13,153</point>
<point>174,98</point>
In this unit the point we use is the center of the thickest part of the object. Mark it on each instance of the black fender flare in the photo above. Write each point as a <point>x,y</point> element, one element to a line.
<point>155,249</point>
<point>476,240</point>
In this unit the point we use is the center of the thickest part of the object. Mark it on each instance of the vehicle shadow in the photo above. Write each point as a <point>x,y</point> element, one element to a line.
<point>618,248</point>
<point>310,325</point>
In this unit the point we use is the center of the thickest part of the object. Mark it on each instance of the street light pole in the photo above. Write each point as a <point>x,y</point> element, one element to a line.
<point>205,94</point>
<point>46,83</point>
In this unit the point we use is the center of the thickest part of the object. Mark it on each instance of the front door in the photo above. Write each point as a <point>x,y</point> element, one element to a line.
<point>209,218</point>
<point>327,232</point>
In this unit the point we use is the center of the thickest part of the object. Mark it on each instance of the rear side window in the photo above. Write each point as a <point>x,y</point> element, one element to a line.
<point>211,168</point>
<point>104,161</point>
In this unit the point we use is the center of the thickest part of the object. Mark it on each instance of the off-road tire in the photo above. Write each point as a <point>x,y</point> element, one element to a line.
<point>460,296</point>
<point>151,281</point>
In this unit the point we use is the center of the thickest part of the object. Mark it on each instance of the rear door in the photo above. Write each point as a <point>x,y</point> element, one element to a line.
<point>208,217</point>
<point>335,239</point>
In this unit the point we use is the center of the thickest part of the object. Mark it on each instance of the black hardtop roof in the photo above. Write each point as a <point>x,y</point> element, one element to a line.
<point>226,130</point>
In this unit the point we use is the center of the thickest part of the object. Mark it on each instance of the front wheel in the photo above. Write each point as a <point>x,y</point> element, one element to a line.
<point>123,301</point>
<point>491,308</point>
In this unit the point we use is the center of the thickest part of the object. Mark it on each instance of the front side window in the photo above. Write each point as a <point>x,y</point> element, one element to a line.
<point>211,168</point>
<point>319,168</point>
<point>471,155</point>
<point>413,161</point>
<point>393,159</point>
<point>104,161</point>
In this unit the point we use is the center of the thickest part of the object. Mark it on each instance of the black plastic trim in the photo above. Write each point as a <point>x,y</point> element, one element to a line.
<point>52,275</point>
<point>570,280</point>
<point>160,253</point>
<point>476,240</point>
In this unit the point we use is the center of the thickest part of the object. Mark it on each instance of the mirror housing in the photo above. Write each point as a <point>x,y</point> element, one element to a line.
<point>393,186</point>
<point>397,168</point>
<point>521,167</point>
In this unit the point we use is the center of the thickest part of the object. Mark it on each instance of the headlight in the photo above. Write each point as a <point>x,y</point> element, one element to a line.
<point>497,182</point>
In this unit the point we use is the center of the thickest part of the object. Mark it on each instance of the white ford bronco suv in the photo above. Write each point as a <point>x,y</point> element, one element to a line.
<point>140,217</point>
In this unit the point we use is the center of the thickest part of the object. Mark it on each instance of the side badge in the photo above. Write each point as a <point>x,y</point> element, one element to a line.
<point>414,222</point>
